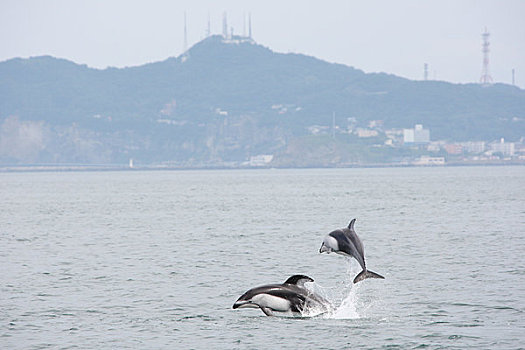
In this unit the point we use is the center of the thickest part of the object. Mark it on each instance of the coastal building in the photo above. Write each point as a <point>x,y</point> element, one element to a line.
<point>366,132</point>
<point>375,124</point>
<point>318,129</point>
<point>505,148</point>
<point>519,150</point>
<point>426,160</point>
<point>453,148</point>
<point>396,135</point>
<point>417,135</point>
<point>473,146</point>
<point>261,160</point>
<point>433,147</point>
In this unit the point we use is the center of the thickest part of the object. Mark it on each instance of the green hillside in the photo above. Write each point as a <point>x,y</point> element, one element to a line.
<point>228,100</point>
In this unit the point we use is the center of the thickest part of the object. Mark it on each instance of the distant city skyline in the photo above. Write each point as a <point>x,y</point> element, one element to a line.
<point>376,36</point>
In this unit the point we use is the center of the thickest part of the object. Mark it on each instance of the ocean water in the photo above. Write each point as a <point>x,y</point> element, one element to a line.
<point>156,259</point>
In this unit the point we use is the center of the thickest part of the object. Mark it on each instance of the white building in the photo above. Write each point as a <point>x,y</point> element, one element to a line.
<point>425,160</point>
<point>505,148</point>
<point>366,132</point>
<point>318,129</point>
<point>473,146</point>
<point>416,135</point>
<point>261,160</point>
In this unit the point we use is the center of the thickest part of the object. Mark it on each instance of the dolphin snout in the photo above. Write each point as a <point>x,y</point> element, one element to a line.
<point>243,303</point>
<point>324,249</point>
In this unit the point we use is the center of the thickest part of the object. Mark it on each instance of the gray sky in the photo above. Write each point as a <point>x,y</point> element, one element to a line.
<point>396,37</point>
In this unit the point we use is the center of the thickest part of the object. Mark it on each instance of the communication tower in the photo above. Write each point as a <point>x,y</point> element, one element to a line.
<point>485,79</point>
<point>224,25</point>
<point>250,25</point>
<point>244,24</point>
<point>208,30</point>
<point>185,34</point>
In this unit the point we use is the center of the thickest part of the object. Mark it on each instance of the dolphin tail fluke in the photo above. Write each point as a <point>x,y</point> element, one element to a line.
<point>366,274</point>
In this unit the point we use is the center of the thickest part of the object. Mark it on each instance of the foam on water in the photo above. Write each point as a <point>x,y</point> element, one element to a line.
<point>348,308</point>
<point>343,298</point>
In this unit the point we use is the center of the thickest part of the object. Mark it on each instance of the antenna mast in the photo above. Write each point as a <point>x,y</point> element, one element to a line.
<point>224,25</point>
<point>485,79</point>
<point>250,25</point>
<point>244,24</point>
<point>185,34</point>
<point>208,30</point>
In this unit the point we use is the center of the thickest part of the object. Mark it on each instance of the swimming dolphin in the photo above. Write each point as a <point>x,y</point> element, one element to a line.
<point>346,242</point>
<point>289,297</point>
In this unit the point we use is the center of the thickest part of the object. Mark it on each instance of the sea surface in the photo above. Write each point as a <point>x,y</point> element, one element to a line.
<point>156,259</point>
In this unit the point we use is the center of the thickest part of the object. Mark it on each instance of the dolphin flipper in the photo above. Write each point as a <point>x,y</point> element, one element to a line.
<point>267,311</point>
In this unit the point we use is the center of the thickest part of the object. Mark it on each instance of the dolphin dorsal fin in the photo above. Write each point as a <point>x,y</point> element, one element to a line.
<point>351,224</point>
<point>298,280</point>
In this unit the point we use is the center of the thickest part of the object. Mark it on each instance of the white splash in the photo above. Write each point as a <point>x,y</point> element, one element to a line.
<point>344,298</point>
<point>348,307</point>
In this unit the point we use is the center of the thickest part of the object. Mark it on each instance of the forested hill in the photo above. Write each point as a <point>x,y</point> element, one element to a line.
<point>237,78</point>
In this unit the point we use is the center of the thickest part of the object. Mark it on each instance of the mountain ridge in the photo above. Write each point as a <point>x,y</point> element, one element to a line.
<point>238,87</point>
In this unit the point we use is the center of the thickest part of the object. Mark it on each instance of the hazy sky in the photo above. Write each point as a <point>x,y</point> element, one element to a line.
<point>396,37</point>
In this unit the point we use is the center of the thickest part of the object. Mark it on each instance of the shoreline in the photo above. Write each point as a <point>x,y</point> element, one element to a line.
<point>153,167</point>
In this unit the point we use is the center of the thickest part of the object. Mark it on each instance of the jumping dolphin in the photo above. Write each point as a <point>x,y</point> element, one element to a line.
<point>289,297</point>
<point>346,242</point>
